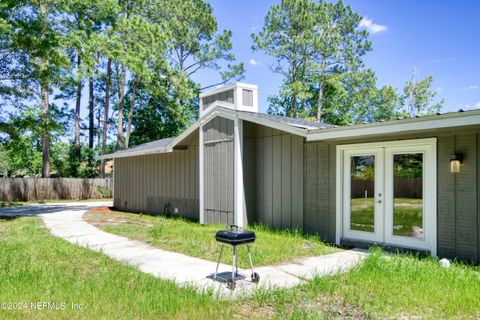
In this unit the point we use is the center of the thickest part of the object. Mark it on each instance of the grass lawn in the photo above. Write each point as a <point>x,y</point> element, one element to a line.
<point>192,238</point>
<point>37,267</point>
<point>7,204</point>
<point>393,287</point>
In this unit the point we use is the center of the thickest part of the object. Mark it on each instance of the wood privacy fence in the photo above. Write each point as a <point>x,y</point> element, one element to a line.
<point>404,187</point>
<point>32,189</point>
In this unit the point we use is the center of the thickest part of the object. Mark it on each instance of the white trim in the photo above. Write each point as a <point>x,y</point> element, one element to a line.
<point>201,206</point>
<point>381,128</point>
<point>239,191</point>
<point>377,235</point>
<point>228,87</point>
<point>428,147</point>
<point>276,125</point>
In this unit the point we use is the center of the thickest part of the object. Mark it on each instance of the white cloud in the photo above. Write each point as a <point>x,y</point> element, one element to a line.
<point>371,26</point>
<point>472,87</point>
<point>439,89</point>
<point>477,105</point>
<point>253,62</point>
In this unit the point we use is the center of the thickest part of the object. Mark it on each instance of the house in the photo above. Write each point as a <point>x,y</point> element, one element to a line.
<point>411,183</point>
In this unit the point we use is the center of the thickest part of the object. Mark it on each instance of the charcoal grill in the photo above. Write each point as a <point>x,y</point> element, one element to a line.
<point>235,237</point>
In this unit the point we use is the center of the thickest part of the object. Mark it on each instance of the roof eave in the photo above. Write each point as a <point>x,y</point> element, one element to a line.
<point>400,126</point>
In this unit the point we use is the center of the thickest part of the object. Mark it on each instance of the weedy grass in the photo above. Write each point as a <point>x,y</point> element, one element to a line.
<point>191,238</point>
<point>37,267</point>
<point>384,286</point>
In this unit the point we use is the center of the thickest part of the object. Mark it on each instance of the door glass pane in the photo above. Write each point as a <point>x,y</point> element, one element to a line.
<point>362,193</point>
<point>408,195</point>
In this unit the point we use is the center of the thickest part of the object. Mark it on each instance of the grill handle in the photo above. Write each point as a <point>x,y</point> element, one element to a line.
<point>234,227</point>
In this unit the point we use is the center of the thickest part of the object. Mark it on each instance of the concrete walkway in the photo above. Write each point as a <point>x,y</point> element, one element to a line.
<point>65,220</point>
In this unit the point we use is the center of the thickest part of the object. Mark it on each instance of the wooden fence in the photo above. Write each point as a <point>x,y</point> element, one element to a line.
<point>33,189</point>
<point>404,187</point>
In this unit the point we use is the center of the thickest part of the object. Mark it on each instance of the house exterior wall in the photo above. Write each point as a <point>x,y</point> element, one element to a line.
<point>151,183</point>
<point>458,195</point>
<point>218,140</point>
<point>273,175</point>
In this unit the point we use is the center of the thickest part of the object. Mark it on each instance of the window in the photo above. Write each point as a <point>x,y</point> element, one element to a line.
<point>247,97</point>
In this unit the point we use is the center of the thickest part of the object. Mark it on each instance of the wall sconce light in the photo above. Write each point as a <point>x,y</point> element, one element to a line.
<point>455,160</point>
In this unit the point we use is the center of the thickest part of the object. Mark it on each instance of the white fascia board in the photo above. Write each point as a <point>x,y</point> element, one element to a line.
<point>272,124</point>
<point>401,126</point>
<point>135,153</point>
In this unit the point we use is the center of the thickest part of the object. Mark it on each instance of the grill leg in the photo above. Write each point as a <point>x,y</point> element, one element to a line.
<point>218,263</point>
<point>250,258</point>
<point>234,262</point>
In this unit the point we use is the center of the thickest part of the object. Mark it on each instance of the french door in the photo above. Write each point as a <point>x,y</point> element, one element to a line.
<point>388,193</point>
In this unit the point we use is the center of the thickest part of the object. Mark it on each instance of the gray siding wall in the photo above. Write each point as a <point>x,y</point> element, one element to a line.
<point>273,175</point>
<point>152,182</point>
<point>218,171</point>
<point>458,195</point>
<point>226,96</point>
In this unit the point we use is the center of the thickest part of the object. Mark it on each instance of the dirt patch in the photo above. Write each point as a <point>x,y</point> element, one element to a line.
<point>104,217</point>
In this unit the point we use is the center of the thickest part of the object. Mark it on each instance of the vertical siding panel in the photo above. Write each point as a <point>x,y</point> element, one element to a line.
<point>230,177</point>
<point>260,209</point>
<point>311,184</point>
<point>478,196</point>
<point>277,181</point>
<point>268,180</point>
<point>297,182</point>
<point>286,182</point>
<point>445,198</point>
<point>466,195</point>
<point>332,181</point>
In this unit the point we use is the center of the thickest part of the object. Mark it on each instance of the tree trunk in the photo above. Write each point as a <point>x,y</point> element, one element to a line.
<point>320,101</point>
<point>121,96</point>
<point>130,114</point>
<point>91,111</point>
<point>105,117</point>
<point>77,105</point>
<point>45,130</point>
<point>294,106</point>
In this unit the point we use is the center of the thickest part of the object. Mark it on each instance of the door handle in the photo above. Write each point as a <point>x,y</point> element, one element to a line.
<point>379,201</point>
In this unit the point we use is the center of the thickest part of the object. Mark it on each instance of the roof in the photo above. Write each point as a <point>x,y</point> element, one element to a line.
<point>296,122</point>
<point>312,131</point>
<point>460,118</point>
<point>141,148</point>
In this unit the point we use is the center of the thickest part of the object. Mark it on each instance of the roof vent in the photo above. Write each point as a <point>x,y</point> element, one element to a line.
<point>241,96</point>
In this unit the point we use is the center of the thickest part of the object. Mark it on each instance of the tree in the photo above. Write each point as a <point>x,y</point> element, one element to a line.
<point>35,40</point>
<point>310,42</point>
<point>419,98</point>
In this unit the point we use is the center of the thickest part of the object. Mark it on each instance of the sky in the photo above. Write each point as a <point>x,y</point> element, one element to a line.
<point>439,38</point>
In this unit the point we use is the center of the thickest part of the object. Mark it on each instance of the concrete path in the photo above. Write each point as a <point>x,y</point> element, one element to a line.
<point>65,220</point>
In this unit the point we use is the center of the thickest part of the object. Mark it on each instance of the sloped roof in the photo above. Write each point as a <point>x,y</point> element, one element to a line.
<point>296,122</point>
<point>142,148</point>
<point>313,131</point>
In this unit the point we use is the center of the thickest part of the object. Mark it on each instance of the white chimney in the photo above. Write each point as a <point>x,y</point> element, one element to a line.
<point>241,96</point>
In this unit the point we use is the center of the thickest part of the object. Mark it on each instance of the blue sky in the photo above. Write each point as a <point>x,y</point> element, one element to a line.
<point>439,38</point>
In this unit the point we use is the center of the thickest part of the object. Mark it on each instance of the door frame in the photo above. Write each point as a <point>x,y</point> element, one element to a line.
<point>377,235</point>
<point>430,142</point>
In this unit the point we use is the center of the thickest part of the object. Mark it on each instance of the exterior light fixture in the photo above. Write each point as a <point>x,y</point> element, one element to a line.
<point>455,160</point>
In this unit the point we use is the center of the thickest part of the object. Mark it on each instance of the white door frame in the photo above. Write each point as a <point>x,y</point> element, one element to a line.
<point>377,235</point>
<point>430,194</point>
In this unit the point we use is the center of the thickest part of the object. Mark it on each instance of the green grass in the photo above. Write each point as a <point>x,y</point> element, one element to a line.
<point>7,204</point>
<point>37,267</point>
<point>22,203</point>
<point>402,286</point>
<point>194,239</point>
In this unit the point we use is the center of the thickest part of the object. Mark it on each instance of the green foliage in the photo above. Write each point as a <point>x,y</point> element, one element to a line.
<point>311,41</point>
<point>21,138</point>
<point>419,98</point>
